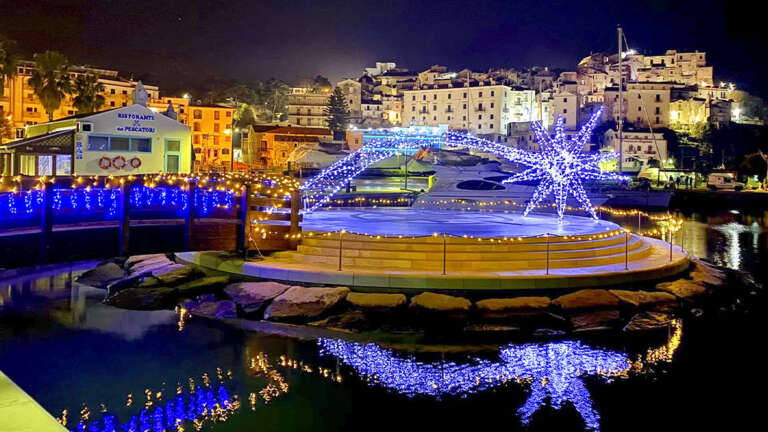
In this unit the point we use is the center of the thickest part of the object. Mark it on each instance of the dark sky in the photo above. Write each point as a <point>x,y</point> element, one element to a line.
<point>175,43</point>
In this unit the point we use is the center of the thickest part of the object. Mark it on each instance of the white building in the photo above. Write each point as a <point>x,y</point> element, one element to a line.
<point>120,141</point>
<point>481,108</point>
<point>638,148</point>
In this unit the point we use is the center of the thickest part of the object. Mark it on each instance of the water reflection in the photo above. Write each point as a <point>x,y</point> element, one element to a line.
<point>554,371</point>
<point>730,255</point>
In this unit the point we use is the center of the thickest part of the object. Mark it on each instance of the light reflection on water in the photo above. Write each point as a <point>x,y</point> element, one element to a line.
<point>554,371</point>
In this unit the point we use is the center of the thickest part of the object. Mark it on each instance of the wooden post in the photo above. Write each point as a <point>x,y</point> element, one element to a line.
<point>638,221</point>
<point>670,245</point>
<point>341,243</point>
<point>189,215</point>
<point>245,223</point>
<point>46,223</point>
<point>547,236</point>
<point>295,217</point>
<point>124,219</point>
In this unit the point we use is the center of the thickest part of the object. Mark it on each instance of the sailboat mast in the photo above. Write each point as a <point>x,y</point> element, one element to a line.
<point>621,102</point>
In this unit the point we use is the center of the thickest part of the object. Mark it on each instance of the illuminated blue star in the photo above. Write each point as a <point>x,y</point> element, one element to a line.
<point>561,166</point>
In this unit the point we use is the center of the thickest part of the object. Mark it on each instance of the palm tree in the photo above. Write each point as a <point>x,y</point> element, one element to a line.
<point>8,61</point>
<point>88,89</point>
<point>50,80</point>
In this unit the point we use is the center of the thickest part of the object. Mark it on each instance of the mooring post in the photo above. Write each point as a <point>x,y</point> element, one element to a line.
<point>189,215</point>
<point>124,221</point>
<point>670,245</point>
<point>547,237</point>
<point>341,242</point>
<point>444,254</point>
<point>638,221</point>
<point>295,230</point>
<point>626,250</point>
<point>46,223</point>
<point>244,223</point>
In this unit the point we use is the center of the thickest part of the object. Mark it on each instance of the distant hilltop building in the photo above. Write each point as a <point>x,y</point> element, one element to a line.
<point>25,109</point>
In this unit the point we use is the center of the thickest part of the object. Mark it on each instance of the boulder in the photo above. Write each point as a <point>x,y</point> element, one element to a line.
<point>352,322</point>
<point>300,303</point>
<point>703,267</point>
<point>376,301</point>
<point>587,299</point>
<point>440,303</point>
<point>647,321</point>
<point>167,269</point>
<point>513,307</point>
<point>595,320</point>
<point>702,278</point>
<point>250,297</point>
<point>643,298</point>
<point>178,276</point>
<point>203,285</point>
<point>102,275</point>
<point>135,259</point>
<point>208,306</point>
<point>125,282</point>
<point>148,266</point>
<point>682,288</point>
<point>143,298</point>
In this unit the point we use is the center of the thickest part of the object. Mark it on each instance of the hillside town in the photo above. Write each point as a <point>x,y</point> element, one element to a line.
<point>674,120</point>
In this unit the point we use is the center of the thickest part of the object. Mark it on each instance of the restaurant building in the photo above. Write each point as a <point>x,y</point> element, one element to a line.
<point>121,141</point>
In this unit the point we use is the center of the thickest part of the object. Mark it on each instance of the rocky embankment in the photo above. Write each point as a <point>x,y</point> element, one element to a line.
<point>148,282</point>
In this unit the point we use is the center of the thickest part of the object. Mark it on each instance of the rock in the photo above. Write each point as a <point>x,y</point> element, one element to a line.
<point>646,321</point>
<point>376,301</point>
<point>250,297</point>
<point>701,266</point>
<point>203,285</point>
<point>102,275</point>
<point>167,269</point>
<point>682,288</point>
<point>440,303</point>
<point>207,306</point>
<point>587,299</point>
<point>148,266</point>
<point>548,332</point>
<point>512,307</point>
<point>125,282</point>
<point>643,298</point>
<point>143,298</point>
<point>595,320</point>
<point>178,276</point>
<point>352,321</point>
<point>491,329</point>
<point>298,303</point>
<point>135,259</point>
<point>702,278</point>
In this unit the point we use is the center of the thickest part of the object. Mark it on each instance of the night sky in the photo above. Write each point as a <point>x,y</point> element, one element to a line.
<point>178,43</point>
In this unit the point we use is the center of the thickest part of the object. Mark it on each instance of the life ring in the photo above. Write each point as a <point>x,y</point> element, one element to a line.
<point>105,163</point>
<point>118,162</point>
<point>135,162</point>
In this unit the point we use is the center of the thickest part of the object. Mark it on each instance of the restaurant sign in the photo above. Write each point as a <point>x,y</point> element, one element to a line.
<point>137,122</point>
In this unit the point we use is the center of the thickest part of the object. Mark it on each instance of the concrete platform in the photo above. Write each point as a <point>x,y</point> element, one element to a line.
<point>20,413</point>
<point>653,266</point>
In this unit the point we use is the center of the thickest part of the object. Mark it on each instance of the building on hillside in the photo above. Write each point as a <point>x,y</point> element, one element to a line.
<point>120,141</point>
<point>305,107</point>
<point>352,90</point>
<point>212,131</point>
<point>25,109</point>
<point>645,104</point>
<point>677,67</point>
<point>373,114</point>
<point>394,76</point>
<point>639,147</point>
<point>270,147</point>
<point>479,107</point>
<point>380,68</point>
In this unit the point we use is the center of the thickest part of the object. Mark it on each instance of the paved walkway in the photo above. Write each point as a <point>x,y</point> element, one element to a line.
<point>20,413</point>
<point>655,266</point>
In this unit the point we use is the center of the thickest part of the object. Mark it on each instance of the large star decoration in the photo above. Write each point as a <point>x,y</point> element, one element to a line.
<point>561,166</point>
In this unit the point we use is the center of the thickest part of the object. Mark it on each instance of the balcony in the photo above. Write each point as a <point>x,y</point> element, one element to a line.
<point>449,110</point>
<point>480,109</point>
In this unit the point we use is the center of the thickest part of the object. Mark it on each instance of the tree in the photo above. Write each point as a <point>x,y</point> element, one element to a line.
<point>320,82</point>
<point>50,80</point>
<point>337,112</point>
<point>88,89</point>
<point>272,96</point>
<point>6,127</point>
<point>8,62</point>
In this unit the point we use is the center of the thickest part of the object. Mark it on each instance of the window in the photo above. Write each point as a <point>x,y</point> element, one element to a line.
<point>449,95</point>
<point>465,106</point>
<point>413,108</point>
<point>658,98</point>
<point>479,116</point>
<point>197,139</point>
<point>413,98</point>
<point>492,94</point>
<point>492,105</point>
<point>86,127</point>
<point>658,110</point>
<point>434,118</point>
<point>225,151</point>
<point>143,145</point>
<point>104,143</point>
<point>63,164</point>
<point>491,116</point>
<point>119,144</point>
<point>490,125</point>
<point>465,95</point>
<point>639,109</point>
<point>565,100</point>
<point>31,109</point>
<point>125,92</point>
<point>98,143</point>
<point>27,164</point>
<point>434,107</point>
<point>423,97</point>
<point>112,103</point>
<point>197,114</point>
<point>216,127</point>
<point>216,115</point>
<point>111,91</point>
<point>434,96</point>
<point>657,120</point>
<point>215,140</point>
<point>480,94</point>
<point>229,113</point>
<point>196,127</point>
<point>565,110</point>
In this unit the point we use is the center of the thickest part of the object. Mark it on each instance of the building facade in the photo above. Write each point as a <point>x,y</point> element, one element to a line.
<point>307,108</point>
<point>638,148</point>
<point>270,147</point>
<point>25,109</point>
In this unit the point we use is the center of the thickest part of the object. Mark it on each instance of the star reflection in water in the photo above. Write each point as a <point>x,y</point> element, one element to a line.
<point>554,371</point>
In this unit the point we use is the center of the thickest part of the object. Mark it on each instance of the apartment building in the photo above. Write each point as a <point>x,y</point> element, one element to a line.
<point>20,102</point>
<point>481,108</point>
<point>645,104</point>
<point>306,107</point>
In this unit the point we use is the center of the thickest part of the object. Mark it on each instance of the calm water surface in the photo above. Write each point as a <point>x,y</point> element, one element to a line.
<point>135,371</point>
